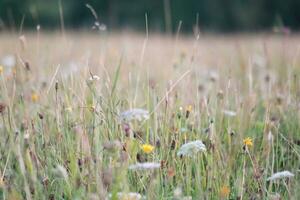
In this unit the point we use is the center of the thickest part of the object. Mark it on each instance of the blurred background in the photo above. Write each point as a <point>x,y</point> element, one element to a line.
<point>163,15</point>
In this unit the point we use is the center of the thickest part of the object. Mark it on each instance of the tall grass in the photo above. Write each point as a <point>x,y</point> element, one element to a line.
<point>62,136</point>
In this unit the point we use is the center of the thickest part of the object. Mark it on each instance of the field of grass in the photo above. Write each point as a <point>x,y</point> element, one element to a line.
<point>105,116</point>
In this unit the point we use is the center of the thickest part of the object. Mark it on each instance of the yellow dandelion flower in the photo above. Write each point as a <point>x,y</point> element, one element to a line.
<point>1,69</point>
<point>147,148</point>
<point>34,97</point>
<point>248,142</point>
<point>224,191</point>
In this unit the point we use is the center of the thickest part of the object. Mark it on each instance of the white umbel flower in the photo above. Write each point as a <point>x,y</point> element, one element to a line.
<point>134,114</point>
<point>280,175</point>
<point>145,166</point>
<point>229,113</point>
<point>191,148</point>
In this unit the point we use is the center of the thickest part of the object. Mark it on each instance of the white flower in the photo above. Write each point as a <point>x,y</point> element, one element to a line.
<point>270,136</point>
<point>191,148</point>
<point>259,61</point>
<point>9,61</point>
<point>280,175</point>
<point>61,172</point>
<point>145,166</point>
<point>229,113</point>
<point>178,192</point>
<point>94,78</point>
<point>134,114</point>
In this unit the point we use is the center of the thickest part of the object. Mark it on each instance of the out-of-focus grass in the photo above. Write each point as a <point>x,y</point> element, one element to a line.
<point>61,100</point>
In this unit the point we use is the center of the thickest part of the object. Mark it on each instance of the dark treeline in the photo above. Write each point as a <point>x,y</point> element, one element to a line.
<point>163,15</point>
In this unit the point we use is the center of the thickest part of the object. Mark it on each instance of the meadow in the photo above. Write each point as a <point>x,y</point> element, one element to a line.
<point>133,116</point>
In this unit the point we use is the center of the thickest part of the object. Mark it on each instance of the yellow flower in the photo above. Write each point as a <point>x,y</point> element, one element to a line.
<point>34,97</point>
<point>189,108</point>
<point>69,109</point>
<point>1,69</point>
<point>224,191</point>
<point>248,142</point>
<point>147,148</point>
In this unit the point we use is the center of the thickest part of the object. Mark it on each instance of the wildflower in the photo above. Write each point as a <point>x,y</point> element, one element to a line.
<point>213,75</point>
<point>134,114</point>
<point>229,113</point>
<point>145,166</point>
<point>190,148</point>
<point>69,109</point>
<point>94,78</point>
<point>9,61</point>
<point>248,142</point>
<point>147,148</point>
<point>61,172</point>
<point>224,191</point>
<point>171,172</point>
<point>188,111</point>
<point>1,69</point>
<point>178,193</point>
<point>34,97</point>
<point>189,108</point>
<point>280,175</point>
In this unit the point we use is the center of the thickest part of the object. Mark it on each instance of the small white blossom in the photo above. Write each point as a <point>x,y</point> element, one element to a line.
<point>270,136</point>
<point>259,61</point>
<point>134,114</point>
<point>145,166</point>
<point>9,61</point>
<point>178,192</point>
<point>94,78</point>
<point>61,172</point>
<point>191,148</point>
<point>229,113</point>
<point>280,175</point>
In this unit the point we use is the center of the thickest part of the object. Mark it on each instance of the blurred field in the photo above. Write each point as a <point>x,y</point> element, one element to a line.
<point>62,96</point>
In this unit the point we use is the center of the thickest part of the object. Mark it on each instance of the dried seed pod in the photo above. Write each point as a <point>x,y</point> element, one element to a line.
<point>2,108</point>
